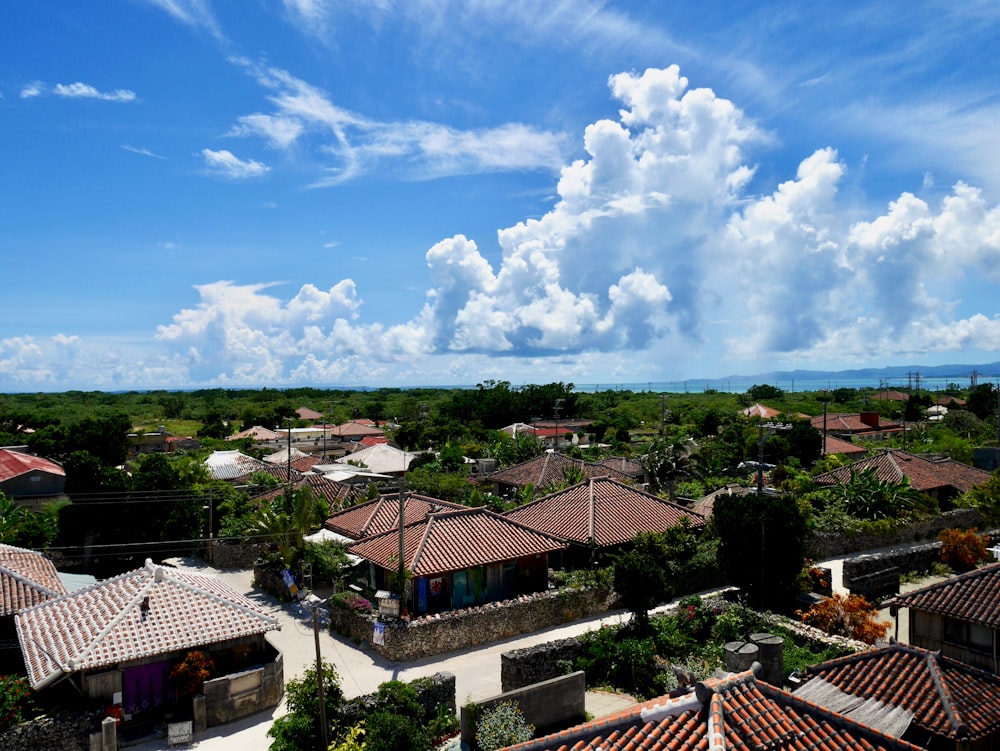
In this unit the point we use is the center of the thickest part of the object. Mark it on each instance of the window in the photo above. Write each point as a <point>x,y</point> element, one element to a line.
<point>971,635</point>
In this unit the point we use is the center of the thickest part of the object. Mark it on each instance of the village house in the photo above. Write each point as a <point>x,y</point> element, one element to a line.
<point>920,696</point>
<point>27,578</point>
<point>960,617</point>
<point>855,425</point>
<point>117,642</point>
<point>942,479</point>
<point>382,514</point>
<point>457,558</point>
<point>738,711</point>
<point>550,468</point>
<point>30,480</point>
<point>598,516</point>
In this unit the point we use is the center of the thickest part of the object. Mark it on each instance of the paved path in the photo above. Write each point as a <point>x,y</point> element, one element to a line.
<point>476,670</point>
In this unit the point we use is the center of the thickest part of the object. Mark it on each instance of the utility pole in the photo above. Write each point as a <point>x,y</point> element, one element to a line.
<point>319,680</point>
<point>766,429</point>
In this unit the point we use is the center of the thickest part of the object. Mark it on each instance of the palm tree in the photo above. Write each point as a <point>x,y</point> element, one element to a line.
<point>666,462</point>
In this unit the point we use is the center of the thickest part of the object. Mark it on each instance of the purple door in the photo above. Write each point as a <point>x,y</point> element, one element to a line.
<point>145,687</point>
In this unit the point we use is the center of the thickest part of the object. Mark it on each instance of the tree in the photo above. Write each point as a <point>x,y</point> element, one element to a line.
<point>983,401</point>
<point>761,545</point>
<point>866,496</point>
<point>299,728</point>
<point>13,516</point>
<point>846,615</point>
<point>642,580</point>
<point>963,550</point>
<point>666,462</point>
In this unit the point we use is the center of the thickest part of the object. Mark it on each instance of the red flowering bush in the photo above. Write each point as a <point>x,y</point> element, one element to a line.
<point>15,701</point>
<point>846,615</point>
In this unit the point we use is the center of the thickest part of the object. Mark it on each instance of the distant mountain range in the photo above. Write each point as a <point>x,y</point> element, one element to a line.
<point>895,374</point>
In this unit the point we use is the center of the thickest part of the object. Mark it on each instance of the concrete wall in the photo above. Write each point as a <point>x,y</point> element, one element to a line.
<point>550,706</point>
<point>460,629</point>
<point>240,694</point>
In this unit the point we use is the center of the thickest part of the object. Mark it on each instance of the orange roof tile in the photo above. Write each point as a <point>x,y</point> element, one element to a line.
<point>972,597</point>
<point>925,474</point>
<point>26,579</point>
<point>382,514</point>
<point>551,468</point>
<point>735,712</point>
<point>455,540</point>
<point>603,510</point>
<point>945,697</point>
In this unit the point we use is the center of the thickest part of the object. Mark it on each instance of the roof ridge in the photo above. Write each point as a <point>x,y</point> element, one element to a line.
<point>591,522</point>
<point>24,579</point>
<point>430,521</point>
<point>958,725</point>
<point>114,620</point>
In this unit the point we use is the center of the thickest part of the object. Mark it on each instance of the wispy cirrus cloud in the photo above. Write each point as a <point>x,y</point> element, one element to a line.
<point>194,13</point>
<point>350,144</point>
<point>228,165</point>
<point>76,90</point>
<point>142,151</point>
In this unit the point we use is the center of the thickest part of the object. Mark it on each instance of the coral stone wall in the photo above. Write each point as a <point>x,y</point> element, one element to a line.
<point>65,732</point>
<point>460,629</point>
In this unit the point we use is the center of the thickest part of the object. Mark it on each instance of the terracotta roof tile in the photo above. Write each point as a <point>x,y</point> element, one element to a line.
<point>925,474</point>
<point>106,624</point>
<point>972,597</point>
<point>736,712</point>
<point>946,697</point>
<point>551,468</point>
<point>27,578</point>
<point>455,540</point>
<point>603,510</point>
<point>382,514</point>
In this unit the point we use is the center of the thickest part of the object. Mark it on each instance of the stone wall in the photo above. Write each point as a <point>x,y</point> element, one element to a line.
<point>64,732</point>
<point>240,694</point>
<point>823,545</point>
<point>523,667</point>
<point>550,706</point>
<point>227,554</point>
<point>434,691</point>
<point>460,629</point>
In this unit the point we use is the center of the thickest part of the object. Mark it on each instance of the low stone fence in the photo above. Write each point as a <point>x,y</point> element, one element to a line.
<point>823,545</point>
<point>460,629</point>
<point>434,691</point>
<point>240,694</point>
<point>228,554</point>
<point>64,732</point>
<point>550,706</point>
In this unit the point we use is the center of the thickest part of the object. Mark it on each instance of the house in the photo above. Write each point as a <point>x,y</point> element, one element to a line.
<point>834,445</point>
<point>382,514</point>
<point>355,430</point>
<point>257,433</point>
<point>237,468</point>
<point>304,413</point>
<point>301,461</point>
<point>737,711</point>
<point>382,459</point>
<point>182,443</point>
<point>117,641</point>
<point>149,442</point>
<point>942,479</point>
<point>705,505</point>
<point>761,411</point>
<point>548,469</point>
<point>890,395</point>
<point>924,697</point>
<point>27,578</point>
<point>628,467</point>
<point>337,495</point>
<point>30,479</point>
<point>460,557</point>
<point>600,515</point>
<point>959,616</point>
<point>861,425</point>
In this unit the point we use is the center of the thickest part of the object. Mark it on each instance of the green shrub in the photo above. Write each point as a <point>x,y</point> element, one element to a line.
<point>502,726</point>
<point>16,705</point>
<point>387,731</point>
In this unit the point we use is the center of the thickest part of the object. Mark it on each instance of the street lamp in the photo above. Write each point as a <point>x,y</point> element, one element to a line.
<point>766,429</point>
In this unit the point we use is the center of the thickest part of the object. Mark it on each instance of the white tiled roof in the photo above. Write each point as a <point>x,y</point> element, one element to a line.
<point>228,465</point>
<point>106,624</point>
<point>26,578</point>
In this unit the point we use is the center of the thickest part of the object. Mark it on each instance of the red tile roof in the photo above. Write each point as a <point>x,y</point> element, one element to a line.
<point>355,429</point>
<point>945,697</point>
<point>629,467</point>
<point>106,624</point>
<point>456,540</point>
<point>852,422</point>
<point>601,510</point>
<point>551,468</point>
<point>15,463</point>
<point>336,494</point>
<point>26,579</point>
<point>925,475</point>
<point>305,413</point>
<point>972,597</point>
<point>737,712</point>
<point>836,445</point>
<point>382,514</point>
<point>761,410</point>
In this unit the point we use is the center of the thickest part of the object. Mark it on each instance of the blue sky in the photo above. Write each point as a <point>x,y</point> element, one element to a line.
<point>315,192</point>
